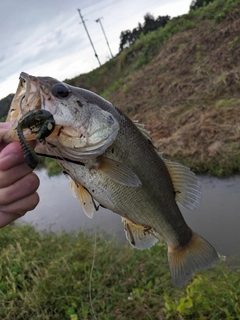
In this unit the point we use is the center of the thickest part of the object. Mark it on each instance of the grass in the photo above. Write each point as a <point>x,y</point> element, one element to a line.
<point>108,76</point>
<point>53,168</point>
<point>46,276</point>
<point>182,82</point>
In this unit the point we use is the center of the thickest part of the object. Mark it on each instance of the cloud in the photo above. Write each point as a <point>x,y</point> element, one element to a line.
<point>47,36</point>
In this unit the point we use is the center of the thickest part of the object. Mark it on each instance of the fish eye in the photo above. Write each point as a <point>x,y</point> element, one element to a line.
<point>59,90</point>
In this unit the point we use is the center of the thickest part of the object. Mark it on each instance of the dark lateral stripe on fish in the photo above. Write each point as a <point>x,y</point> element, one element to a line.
<point>150,212</point>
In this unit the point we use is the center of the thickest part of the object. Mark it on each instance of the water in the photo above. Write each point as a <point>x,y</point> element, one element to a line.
<point>217,219</point>
<point>60,210</point>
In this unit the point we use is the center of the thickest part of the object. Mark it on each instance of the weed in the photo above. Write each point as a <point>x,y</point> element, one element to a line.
<point>183,82</point>
<point>232,44</point>
<point>53,168</point>
<point>46,276</point>
<point>3,119</point>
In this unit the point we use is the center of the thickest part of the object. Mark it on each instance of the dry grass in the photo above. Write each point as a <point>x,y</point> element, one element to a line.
<point>183,83</point>
<point>189,97</point>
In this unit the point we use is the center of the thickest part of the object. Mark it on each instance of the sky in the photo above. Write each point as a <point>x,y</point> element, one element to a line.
<point>47,38</point>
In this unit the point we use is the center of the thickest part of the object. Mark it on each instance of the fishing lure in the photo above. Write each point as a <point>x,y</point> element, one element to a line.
<point>40,122</point>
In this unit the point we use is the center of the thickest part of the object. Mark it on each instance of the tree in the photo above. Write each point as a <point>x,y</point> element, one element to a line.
<point>150,24</point>
<point>195,4</point>
<point>5,105</point>
<point>126,39</point>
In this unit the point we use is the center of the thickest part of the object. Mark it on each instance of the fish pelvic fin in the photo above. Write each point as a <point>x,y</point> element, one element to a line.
<point>84,197</point>
<point>186,185</point>
<point>139,237</point>
<point>118,172</point>
<point>184,261</point>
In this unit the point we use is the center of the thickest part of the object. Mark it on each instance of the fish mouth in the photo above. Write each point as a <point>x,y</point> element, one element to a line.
<point>87,138</point>
<point>26,98</point>
<point>30,95</point>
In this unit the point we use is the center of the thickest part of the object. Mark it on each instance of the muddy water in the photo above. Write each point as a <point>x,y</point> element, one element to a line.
<point>217,218</point>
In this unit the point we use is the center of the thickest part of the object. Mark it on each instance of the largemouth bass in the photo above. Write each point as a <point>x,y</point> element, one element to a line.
<point>111,160</point>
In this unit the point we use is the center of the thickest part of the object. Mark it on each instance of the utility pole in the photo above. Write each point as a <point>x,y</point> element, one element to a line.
<point>83,22</point>
<point>99,20</point>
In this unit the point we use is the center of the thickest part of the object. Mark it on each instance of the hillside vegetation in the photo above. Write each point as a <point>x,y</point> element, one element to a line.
<point>46,276</point>
<point>4,106</point>
<point>183,82</point>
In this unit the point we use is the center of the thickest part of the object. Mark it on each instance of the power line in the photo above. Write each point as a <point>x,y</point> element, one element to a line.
<point>65,21</point>
<point>93,4</point>
<point>83,22</point>
<point>99,20</point>
<point>38,40</point>
<point>100,8</point>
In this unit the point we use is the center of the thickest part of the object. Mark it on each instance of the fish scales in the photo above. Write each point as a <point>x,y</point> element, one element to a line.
<point>112,160</point>
<point>128,201</point>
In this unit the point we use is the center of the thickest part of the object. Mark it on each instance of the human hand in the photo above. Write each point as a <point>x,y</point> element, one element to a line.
<point>18,184</point>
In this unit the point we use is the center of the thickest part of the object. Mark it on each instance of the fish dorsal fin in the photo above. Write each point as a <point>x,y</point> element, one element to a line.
<point>144,131</point>
<point>186,185</point>
<point>119,172</point>
<point>84,197</point>
<point>139,237</point>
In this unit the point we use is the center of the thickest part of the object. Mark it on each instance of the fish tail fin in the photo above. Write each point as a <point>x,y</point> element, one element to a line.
<point>194,256</point>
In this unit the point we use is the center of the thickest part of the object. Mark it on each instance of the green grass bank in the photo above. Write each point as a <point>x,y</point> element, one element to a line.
<point>183,82</point>
<point>46,276</point>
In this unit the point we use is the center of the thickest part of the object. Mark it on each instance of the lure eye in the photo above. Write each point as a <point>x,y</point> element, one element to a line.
<point>59,90</point>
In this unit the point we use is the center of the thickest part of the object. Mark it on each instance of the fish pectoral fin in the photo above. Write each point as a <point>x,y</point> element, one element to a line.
<point>195,255</point>
<point>84,197</point>
<point>140,237</point>
<point>186,185</point>
<point>119,172</point>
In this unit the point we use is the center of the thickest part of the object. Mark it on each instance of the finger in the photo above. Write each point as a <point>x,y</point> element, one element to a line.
<point>6,218</point>
<point>20,189</point>
<point>10,176</point>
<point>21,206</point>
<point>5,126</point>
<point>17,209</point>
<point>12,155</point>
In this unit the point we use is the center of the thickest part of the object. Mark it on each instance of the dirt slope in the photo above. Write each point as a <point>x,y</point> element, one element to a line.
<point>183,82</point>
<point>189,96</point>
